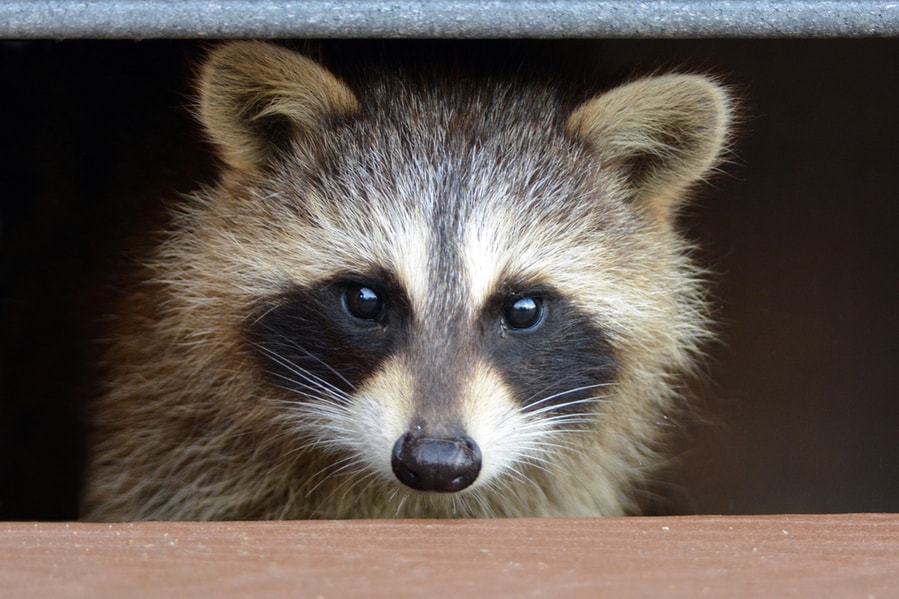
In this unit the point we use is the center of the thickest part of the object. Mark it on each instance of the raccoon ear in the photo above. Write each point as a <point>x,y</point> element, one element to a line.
<point>663,133</point>
<point>255,97</point>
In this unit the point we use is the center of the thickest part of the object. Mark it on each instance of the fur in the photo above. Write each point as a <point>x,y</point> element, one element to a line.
<point>241,387</point>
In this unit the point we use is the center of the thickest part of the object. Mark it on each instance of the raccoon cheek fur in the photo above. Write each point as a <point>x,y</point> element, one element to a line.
<point>410,296</point>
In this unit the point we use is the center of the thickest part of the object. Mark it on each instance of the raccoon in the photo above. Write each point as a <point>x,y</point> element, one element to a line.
<point>410,296</point>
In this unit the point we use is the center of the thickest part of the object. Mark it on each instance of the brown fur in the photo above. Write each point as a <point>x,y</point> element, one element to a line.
<point>189,428</point>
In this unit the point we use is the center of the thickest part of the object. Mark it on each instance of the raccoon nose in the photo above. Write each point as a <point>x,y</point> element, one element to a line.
<point>445,465</point>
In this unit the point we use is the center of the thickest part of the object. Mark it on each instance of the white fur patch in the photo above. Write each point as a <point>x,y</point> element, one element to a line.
<point>483,257</point>
<point>491,416</point>
<point>382,411</point>
<point>410,248</point>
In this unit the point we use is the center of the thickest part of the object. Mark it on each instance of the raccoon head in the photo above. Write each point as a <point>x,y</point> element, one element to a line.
<point>457,288</point>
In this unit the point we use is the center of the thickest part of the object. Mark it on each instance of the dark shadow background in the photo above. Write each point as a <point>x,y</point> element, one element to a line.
<point>802,230</point>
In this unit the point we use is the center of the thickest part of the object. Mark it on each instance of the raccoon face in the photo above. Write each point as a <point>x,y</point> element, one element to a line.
<point>451,293</point>
<point>442,398</point>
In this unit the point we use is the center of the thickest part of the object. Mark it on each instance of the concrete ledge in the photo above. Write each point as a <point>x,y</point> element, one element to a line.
<point>766,556</point>
<point>448,19</point>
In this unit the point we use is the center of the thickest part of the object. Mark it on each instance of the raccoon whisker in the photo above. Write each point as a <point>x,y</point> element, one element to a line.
<point>505,486</point>
<point>312,381</point>
<point>340,376</point>
<point>312,421</point>
<point>529,449</point>
<point>295,387</point>
<point>490,509</point>
<point>351,488</point>
<point>568,431</point>
<point>583,417</point>
<point>306,380</point>
<point>549,446</point>
<point>311,443</point>
<point>372,478</point>
<point>533,398</point>
<point>537,435</point>
<point>554,443</point>
<point>362,475</point>
<point>466,505</point>
<point>540,450</point>
<point>537,460</point>
<point>293,343</point>
<point>392,494</point>
<point>261,314</point>
<point>325,475</point>
<point>402,501</point>
<point>555,419</point>
<point>320,404</point>
<point>320,443</point>
<point>548,418</point>
<point>472,504</point>
<point>343,487</point>
<point>481,502</point>
<point>553,408</point>
<point>329,471</point>
<point>534,461</point>
<point>317,411</point>
<point>285,509</point>
<point>532,405</point>
<point>313,389</point>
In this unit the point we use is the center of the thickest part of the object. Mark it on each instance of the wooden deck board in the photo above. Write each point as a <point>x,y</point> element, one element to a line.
<point>753,556</point>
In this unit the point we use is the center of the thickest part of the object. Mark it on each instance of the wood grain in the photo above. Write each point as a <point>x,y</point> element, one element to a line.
<point>769,556</point>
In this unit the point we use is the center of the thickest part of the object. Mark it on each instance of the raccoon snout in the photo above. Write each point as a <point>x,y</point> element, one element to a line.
<point>444,465</point>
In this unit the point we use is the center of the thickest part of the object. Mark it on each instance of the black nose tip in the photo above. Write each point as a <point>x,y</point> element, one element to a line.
<point>445,465</point>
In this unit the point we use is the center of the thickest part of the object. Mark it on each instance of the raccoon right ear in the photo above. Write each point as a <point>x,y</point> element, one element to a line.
<point>662,133</point>
<point>255,97</point>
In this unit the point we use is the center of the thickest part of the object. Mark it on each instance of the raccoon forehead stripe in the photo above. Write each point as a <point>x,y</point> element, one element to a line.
<point>378,236</point>
<point>483,258</point>
<point>495,249</point>
<point>409,247</point>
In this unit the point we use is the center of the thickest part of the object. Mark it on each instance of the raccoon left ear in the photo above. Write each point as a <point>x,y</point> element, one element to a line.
<point>663,133</point>
<point>255,97</point>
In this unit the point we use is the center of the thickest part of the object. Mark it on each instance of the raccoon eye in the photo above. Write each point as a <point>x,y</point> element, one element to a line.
<point>524,313</point>
<point>363,302</point>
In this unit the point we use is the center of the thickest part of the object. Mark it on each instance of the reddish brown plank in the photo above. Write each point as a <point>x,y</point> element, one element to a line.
<point>833,556</point>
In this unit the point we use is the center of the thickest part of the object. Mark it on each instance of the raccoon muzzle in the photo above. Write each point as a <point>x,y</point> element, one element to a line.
<point>444,465</point>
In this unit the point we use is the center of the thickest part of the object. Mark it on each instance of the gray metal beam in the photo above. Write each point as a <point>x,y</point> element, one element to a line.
<point>449,18</point>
